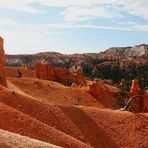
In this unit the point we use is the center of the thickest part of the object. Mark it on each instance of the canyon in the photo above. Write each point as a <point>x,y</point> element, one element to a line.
<point>46,100</point>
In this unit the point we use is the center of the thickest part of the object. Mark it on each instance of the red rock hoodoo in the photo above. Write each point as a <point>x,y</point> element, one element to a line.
<point>140,101</point>
<point>44,71</point>
<point>2,62</point>
<point>135,88</point>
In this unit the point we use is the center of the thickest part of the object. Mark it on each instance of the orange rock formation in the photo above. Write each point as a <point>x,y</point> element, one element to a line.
<point>62,75</point>
<point>102,93</point>
<point>46,72</point>
<point>134,88</point>
<point>2,62</point>
<point>96,90</point>
<point>140,102</point>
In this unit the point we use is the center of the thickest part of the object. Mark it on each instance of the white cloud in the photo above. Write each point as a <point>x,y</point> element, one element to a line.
<point>122,26</point>
<point>134,7</point>
<point>19,5</point>
<point>134,26</point>
<point>69,3</point>
<point>4,21</point>
<point>80,14</point>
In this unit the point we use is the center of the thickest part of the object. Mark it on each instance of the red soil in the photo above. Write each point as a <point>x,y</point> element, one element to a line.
<point>17,122</point>
<point>96,127</point>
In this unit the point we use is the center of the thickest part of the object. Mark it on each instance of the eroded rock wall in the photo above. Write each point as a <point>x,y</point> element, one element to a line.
<point>46,72</point>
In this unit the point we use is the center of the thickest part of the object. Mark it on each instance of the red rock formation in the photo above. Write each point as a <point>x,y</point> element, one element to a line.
<point>102,93</point>
<point>44,71</point>
<point>96,90</point>
<point>62,75</point>
<point>134,88</point>
<point>140,102</point>
<point>78,78</point>
<point>136,103</point>
<point>2,62</point>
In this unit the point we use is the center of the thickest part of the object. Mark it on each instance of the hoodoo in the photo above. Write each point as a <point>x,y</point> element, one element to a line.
<point>135,88</point>
<point>44,71</point>
<point>2,62</point>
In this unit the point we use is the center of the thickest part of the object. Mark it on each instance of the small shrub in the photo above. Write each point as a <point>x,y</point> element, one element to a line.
<point>19,73</point>
<point>67,82</point>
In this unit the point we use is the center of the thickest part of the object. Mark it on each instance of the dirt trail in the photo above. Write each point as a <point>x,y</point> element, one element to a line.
<point>11,140</point>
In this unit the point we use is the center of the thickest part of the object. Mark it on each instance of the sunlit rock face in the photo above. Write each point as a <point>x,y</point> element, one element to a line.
<point>135,88</point>
<point>44,71</point>
<point>62,75</point>
<point>2,62</point>
<point>140,101</point>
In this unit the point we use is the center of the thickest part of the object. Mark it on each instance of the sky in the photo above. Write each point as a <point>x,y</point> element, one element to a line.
<point>72,26</point>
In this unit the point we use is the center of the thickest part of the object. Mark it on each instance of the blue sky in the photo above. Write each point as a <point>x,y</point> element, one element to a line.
<point>72,26</point>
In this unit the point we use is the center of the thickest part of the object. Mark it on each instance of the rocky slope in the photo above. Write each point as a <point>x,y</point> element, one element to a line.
<point>71,126</point>
<point>138,50</point>
<point>53,58</point>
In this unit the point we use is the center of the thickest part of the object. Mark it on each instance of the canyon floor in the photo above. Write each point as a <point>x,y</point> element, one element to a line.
<point>40,113</point>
